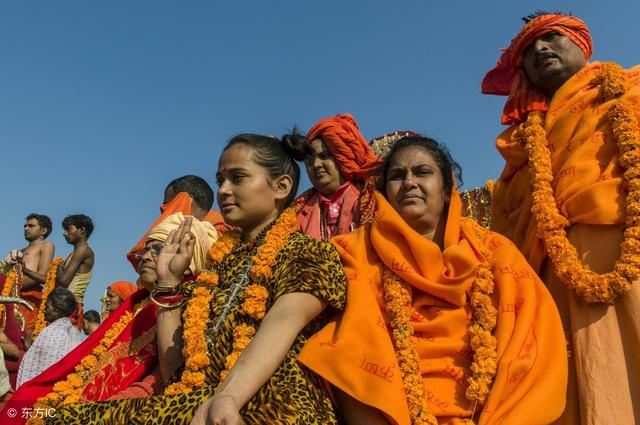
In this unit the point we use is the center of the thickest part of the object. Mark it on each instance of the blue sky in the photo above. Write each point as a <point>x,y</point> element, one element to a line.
<point>103,103</point>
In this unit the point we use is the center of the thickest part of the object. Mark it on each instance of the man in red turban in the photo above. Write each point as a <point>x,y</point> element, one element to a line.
<point>567,198</point>
<point>340,165</point>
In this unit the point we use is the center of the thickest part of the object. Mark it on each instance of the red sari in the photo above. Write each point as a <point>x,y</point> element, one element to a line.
<point>131,358</point>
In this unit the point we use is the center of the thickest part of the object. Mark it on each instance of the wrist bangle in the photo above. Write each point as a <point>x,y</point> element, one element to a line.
<point>169,302</point>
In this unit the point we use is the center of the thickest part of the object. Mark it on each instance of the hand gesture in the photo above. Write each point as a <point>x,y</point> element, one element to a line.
<point>218,410</point>
<point>176,255</point>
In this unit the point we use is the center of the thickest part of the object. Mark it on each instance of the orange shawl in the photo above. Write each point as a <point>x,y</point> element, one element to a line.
<point>356,354</point>
<point>588,181</point>
<point>181,203</point>
<point>123,289</point>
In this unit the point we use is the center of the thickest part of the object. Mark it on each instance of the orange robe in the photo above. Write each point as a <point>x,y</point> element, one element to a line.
<point>604,386</point>
<point>356,354</point>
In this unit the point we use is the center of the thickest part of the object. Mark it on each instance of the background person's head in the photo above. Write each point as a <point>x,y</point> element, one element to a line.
<point>257,178</point>
<point>117,292</point>
<point>197,188</point>
<point>417,178</point>
<point>90,321</point>
<point>37,226</point>
<point>60,303</point>
<point>77,227</point>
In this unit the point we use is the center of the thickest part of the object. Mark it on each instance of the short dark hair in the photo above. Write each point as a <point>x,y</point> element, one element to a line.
<point>80,221</point>
<point>92,316</point>
<point>530,17</point>
<point>195,186</point>
<point>62,301</point>
<point>448,167</point>
<point>276,156</point>
<point>43,221</point>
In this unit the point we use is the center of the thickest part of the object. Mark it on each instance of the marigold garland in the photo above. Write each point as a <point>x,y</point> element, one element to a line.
<point>70,390</point>
<point>397,296</point>
<point>591,286</point>
<point>10,283</point>
<point>49,284</point>
<point>196,315</point>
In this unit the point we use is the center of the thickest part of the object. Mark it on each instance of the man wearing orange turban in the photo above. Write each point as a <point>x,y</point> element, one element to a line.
<point>568,198</point>
<point>339,164</point>
<point>190,195</point>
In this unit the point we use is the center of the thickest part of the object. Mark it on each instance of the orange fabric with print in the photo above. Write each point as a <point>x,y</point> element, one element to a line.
<point>355,351</point>
<point>508,77</point>
<point>181,203</point>
<point>347,146</point>
<point>588,182</point>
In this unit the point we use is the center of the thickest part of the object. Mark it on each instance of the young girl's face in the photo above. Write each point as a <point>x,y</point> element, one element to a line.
<point>246,196</point>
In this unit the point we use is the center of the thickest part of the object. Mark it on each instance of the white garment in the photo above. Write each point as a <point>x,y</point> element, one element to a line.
<point>54,342</point>
<point>5,385</point>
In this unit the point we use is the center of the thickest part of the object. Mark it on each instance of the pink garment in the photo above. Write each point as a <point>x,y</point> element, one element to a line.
<point>323,218</point>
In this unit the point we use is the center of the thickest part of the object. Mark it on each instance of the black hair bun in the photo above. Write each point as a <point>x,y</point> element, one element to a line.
<point>296,144</point>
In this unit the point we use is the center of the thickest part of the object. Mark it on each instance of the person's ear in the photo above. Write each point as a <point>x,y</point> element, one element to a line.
<point>282,187</point>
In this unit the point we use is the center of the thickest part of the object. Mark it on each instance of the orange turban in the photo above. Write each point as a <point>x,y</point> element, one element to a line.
<point>349,148</point>
<point>123,289</point>
<point>508,78</point>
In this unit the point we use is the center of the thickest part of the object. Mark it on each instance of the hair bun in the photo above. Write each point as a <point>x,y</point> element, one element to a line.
<point>296,144</point>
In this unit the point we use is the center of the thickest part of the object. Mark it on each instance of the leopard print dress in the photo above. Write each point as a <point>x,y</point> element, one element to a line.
<point>293,394</point>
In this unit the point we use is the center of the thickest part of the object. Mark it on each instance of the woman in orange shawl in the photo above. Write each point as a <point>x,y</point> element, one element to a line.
<point>117,292</point>
<point>445,320</point>
<point>339,163</point>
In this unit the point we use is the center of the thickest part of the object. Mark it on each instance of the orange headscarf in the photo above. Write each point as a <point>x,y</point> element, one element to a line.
<point>349,148</point>
<point>123,289</point>
<point>508,78</point>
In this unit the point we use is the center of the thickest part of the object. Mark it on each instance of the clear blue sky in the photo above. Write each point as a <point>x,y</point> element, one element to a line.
<point>103,103</point>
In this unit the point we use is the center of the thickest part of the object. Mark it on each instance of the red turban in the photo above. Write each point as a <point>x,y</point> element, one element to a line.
<point>508,77</point>
<point>123,289</point>
<point>349,148</point>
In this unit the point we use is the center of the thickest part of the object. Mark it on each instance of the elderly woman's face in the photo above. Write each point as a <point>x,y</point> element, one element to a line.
<point>322,169</point>
<point>414,187</point>
<point>112,301</point>
<point>147,265</point>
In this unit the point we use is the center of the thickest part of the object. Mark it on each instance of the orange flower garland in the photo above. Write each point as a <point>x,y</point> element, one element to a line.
<point>196,315</point>
<point>591,286</point>
<point>49,284</point>
<point>9,285</point>
<point>70,390</point>
<point>397,296</point>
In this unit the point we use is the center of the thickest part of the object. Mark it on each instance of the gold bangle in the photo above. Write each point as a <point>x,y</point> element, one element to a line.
<point>168,306</point>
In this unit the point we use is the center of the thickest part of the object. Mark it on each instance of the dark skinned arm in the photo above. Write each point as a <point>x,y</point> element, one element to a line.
<point>66,274</point>
<point>37,277</point>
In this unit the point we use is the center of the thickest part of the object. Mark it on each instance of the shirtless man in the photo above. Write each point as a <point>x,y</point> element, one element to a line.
<point>35,261</point>
<point>75,273</point>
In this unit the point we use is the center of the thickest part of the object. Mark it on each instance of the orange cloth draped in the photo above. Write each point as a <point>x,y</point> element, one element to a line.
<point>33,297</point>
<point>123,289</point>
<point>131,358</point>
<point>588,181</point>
<point>356,354</point>
<point>508,77</point>
<point>347,146</point>
<point>181,203</point>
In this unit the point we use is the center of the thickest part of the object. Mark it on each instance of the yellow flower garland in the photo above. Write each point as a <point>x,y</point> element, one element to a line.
<point>397,296</point>
<point>10,283</point>
<point>591,286</point>
<point>49,284</point>
<point>196,315</point>
<point>70,390</point>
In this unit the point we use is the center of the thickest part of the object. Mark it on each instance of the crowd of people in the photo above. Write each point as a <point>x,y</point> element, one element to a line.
<point>383,294</point>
